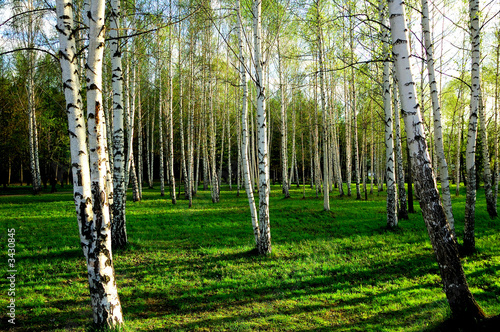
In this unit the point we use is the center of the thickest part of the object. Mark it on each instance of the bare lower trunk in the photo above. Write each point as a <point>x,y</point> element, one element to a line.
<point>488,190</point>
<point>160,131</point>
<point>139,135</point>
<point>392,215</point>
<point>244,126</point>
<point>495,132</point>
<point>284,135</point>
<point>326,155</point>
<point>119,236</point>
<point>470,162</point>
<point>402,209</point>
<point>438,133</point>
<point>136,197</point>
<point>89,180</point>
<point>264,243</point>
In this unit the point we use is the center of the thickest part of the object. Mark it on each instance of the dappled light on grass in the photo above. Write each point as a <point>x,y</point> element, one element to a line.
<point>196,269</point>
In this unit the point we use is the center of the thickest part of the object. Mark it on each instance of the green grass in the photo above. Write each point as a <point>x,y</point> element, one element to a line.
<point>195,270</point>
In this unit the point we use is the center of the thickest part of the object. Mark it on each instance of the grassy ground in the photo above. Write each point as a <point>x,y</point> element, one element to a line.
<point>194,269</point>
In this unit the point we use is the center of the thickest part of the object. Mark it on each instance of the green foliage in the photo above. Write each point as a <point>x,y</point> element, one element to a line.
<point>195,269</point>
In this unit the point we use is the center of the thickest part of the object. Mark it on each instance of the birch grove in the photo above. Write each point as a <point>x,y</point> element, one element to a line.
<point>297,103</point>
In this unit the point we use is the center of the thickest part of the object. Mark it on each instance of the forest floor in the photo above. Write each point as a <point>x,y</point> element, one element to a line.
<point>195,269</point>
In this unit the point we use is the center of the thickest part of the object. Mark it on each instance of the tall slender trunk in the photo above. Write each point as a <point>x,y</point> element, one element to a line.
<point>171,172</point>
<point>160,123</point>
<point>392,215</point>
<point>326,156</point>
<point>214,184</point>
<point>459,155</point>
<point>139,134</point>
<point>294,154</point>
<point>470,161</point>
<point>118,227</point>
<point>244,126</point>
<point>223,138</point>
<point>353,103</point>
<point>264,243</point>
<point>317,166</point>
<point>438,133</point>
<point>490,199</point>
<point>32,127</point>
<point>459,297</point>
<point>372,150</point>
<point>402,209</point>
<point>365,166</point>
<point>495,131</point>
<point>284,137</point>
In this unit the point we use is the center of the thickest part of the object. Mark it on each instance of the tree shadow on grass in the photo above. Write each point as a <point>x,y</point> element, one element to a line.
<point>490,324</point>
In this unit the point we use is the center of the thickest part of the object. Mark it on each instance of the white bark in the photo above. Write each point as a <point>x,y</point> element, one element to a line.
<point>460,299</point>
<point>392,215</point>
<point>244,130</point>
<point>264,244</point>
<point>403,210</point>
<point>119,239</point>
<point>490,200</point>
<point>326,156</point>
<point>438,132</point>
<point>89,184</point>
<point>470,161</point>
<point>284,135</point>
<point>497,164</point>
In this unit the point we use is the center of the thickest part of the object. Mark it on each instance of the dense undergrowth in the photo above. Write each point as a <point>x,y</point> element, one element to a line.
<point>195,269</point>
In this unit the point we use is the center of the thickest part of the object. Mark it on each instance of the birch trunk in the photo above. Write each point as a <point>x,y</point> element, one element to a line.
<point>244,126</point>
<point>354,115</point>
<point>459,297</point>
<point>372,151</point>
<point>490,199</point>
<point>497,164</point>
<point>326,156</point>
<point>438,133</point>
<point>458,158</point>
<point>470,161</point>
<point>402,209</point>
<point>118,233</point>
<point>139,135</point>
<point>214,187</point>
<point>392,215</point>
<point>284,137</point>
<point>149,147</point>
<point>317,167</point>
<point>264,243</point>
<point>105,302</point>
<point>89,180</point>
<point>171,114</point>
<point>160,125</point>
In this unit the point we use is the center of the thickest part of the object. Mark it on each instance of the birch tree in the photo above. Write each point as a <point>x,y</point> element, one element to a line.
<point>326,156</point>
<point>88,182</point>
<point>438,132</point>
<point>470,161</point>
<point>392,215</point>
<point>244,128</point>
<point>284,135</point>
<point>264,243</point>
<point>119,235</point>
<point>488,190</point>
<point>460,299</point>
